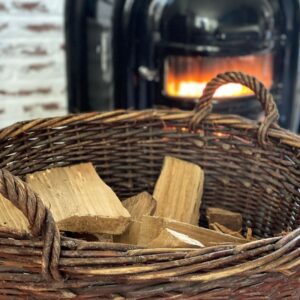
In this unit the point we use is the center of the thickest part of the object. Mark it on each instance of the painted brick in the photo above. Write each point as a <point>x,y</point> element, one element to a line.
<point>20,48</point>
<point>43,27</point>
<point>6,73</point>
<point>40,88</point>
<point>3,7</point>
<point>51,107</point>
<point>55,7</point>
<point>36,67</point>
<point>12,27</point>
<point>28,71</point>
<point>32,7</point>
<point>32,60</point>
<point>4,26</point>
<point>36,51</point>
<point>30,108</point>
<point>26,92</point>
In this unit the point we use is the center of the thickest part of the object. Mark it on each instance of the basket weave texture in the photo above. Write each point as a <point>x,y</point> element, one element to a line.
<point>249,167</point>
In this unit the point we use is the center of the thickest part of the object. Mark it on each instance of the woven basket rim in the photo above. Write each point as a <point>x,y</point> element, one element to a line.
<point>113,117</point>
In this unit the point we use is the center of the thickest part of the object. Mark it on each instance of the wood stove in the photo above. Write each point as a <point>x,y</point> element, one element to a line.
<point>139,54</point>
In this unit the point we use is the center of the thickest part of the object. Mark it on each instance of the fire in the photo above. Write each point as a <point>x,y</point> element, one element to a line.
<point>193,89</point>
<point>186,77</point>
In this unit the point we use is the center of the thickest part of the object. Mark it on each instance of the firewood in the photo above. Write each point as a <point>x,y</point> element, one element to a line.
<point>151,227</point>
<point>227,218</point>
<point>220,228</point>
<point>79,200</point>
<point>249,235</point>
<point>11,217</point>
<point>90,237</point>
<point>131,234</point>
<point>104,237</point>
<point>140,205</point>
<point>169,238</point>
<point>178,191</point>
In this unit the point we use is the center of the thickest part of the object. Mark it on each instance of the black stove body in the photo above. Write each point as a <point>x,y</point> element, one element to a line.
<point>140,54</point>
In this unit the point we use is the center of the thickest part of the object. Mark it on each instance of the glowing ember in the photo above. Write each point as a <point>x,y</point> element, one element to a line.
<point>220,134</point>
<point>186,77</point>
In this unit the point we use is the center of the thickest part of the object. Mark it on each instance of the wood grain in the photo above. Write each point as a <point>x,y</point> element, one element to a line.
<point>131,234</point>
<point>221,228</point>
<point>178,191</point>
<point>79,199</point>
<point>151,227</point>
<point>231,220</point>
<point>140,205</point>
<point>11,217</point>
<point>169,238</point>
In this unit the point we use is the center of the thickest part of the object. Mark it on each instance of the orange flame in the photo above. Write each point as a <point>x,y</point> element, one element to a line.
<point>186,77</point>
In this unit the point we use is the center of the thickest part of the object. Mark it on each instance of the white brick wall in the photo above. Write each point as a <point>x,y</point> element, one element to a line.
<point>32,60</point>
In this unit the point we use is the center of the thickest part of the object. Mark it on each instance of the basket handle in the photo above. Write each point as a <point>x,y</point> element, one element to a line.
<point>262,94</point>
<point>40,219</point>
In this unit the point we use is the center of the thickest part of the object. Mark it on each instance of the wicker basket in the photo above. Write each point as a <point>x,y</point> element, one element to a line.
<point>250,168</point>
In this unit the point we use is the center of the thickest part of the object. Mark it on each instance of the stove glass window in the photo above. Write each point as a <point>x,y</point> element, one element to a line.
<point>187,76</point>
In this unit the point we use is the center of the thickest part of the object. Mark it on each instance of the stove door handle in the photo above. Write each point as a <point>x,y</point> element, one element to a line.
<point>148,74</point>
<point>204,107</point>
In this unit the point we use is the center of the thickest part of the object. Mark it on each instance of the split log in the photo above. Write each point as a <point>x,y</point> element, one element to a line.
<point>131,234</point>
<point>249,236</point>
<point>151,228</point>
<point>79,200</point>
<point>11,217</point>
<point>140,205</point>
<point>169,238</point>
<point>220,228</point>
<point>227,218</point>
<point>178,191</point>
